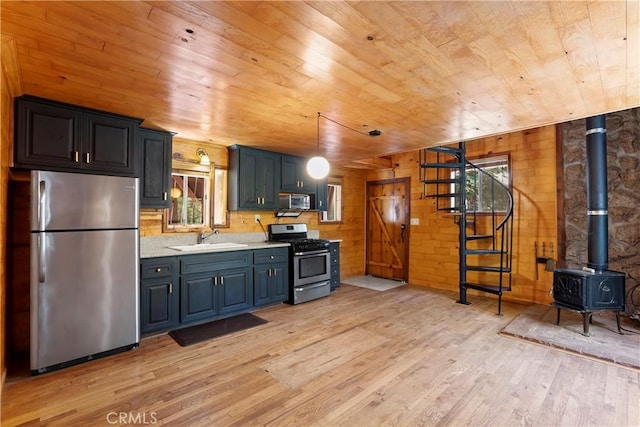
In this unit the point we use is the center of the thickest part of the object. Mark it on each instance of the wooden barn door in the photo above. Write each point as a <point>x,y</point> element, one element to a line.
<point>388,228</point>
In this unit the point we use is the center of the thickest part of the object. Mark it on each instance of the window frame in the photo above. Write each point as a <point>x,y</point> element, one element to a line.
<point>180,164</point>
<point>224,201</point>
<point>337,181</point>
<point>206,204</point>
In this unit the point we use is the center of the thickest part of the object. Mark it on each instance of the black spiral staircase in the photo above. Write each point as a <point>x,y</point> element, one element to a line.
<point>486,237</point>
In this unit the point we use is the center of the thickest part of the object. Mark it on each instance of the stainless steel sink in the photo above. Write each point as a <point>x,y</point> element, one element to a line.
<point>207,246</point>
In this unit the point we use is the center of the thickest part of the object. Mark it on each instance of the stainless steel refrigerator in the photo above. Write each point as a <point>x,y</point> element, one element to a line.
<point>84,267</point>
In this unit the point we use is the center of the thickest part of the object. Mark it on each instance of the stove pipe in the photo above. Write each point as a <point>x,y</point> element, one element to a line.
<point>597,204</point>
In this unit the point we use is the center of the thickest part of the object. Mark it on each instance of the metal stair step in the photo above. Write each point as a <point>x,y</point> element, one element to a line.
<point>492,289</point>
<point>441,181</point>
<point>456,218</point>
<point>479,236</point>
<point>485,252</point>
<point>448,195</point>
<point>488,269</point>
<point>441,165</point>
<point>469,213</point>
<point>446,150</point>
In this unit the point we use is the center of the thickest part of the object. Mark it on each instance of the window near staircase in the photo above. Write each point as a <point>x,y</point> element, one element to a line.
<point>482,194</point>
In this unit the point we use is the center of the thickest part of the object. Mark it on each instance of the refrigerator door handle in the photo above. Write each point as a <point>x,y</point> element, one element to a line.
<point>41,204</point>
<point>41,257</point>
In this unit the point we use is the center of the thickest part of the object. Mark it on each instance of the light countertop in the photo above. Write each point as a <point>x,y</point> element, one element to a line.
<point>167,251</point>
<point>158,246</point>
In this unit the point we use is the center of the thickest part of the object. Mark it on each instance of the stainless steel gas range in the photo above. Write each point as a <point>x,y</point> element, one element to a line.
<point>309,262</point>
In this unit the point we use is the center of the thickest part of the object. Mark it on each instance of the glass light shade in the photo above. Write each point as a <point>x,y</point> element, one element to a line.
<point>175,193</point>
<point>318,167</point>
<point>204,157</point>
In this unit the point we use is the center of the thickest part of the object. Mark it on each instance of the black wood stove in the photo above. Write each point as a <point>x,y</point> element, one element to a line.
<point>593,288</point>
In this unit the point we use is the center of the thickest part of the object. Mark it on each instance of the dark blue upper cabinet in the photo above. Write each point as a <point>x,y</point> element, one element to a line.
<point>51,135</point>
<point>254,179</point>
<point>155,168</point>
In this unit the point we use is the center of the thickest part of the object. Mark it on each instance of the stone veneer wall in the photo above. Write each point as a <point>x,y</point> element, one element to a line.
<point>623,170</point>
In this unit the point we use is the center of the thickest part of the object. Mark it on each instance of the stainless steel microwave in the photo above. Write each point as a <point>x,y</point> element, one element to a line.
<point>295,201</point>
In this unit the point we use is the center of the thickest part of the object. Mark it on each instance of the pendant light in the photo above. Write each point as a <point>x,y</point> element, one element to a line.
<point>318,166</point>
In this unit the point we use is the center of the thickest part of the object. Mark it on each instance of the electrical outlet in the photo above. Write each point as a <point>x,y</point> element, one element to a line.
<point>415,221</point>
<point>257,218</point>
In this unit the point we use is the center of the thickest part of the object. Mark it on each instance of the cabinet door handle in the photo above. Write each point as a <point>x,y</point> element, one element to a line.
<point>88,159</point>
<point>275,272</point>
<point>158,270</point>
<point>170,288</point>
<point>222,280</point>
<point>76,156</point>
<point>258,200</point>
<point>164,196</point>
<point>269,272</point>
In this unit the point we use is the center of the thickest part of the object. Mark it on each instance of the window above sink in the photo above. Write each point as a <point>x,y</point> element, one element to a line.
<point>198,196</point>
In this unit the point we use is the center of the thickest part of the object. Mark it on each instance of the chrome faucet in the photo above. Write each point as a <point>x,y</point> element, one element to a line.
<point>202,236</point>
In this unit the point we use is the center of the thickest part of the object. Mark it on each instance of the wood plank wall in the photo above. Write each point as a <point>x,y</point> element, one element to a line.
<point>434,243</point>
<point>9,88</point>
<point>351,229</point>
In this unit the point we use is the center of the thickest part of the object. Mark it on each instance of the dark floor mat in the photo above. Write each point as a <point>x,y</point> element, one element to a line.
<point>217,328</point>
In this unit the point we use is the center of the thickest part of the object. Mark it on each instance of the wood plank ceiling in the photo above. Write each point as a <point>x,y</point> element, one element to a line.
<point>257,73</point>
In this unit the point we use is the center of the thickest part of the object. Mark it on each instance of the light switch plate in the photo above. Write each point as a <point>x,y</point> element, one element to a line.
<point>415,221</point>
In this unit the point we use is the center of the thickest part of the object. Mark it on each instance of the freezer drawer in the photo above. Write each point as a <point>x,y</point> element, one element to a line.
<point>84,294</point>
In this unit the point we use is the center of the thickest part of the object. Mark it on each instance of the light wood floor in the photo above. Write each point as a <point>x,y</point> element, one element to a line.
<point>408,356</point>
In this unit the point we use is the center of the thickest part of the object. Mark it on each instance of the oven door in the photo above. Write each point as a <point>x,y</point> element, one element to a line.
<point>311,267</point>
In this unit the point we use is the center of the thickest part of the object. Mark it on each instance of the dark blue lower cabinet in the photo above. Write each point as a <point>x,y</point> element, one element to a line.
<point>179,290</point>
<point>271,284</point>
<point>261,294</point>
<point>198,297</point>
<point>270,276</point>
<point>236,289</point>
<point>159,305</point>
<point>207,295</point>
<point>334,248</point>
<point>159,295</point>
